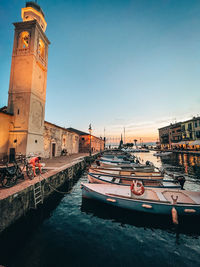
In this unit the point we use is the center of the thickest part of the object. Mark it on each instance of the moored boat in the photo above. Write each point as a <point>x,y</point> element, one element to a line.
<point>152,200</point>
<point>127,172</point>
<point>158,182</point>
<point>110,164</point>
<point>162,154</point>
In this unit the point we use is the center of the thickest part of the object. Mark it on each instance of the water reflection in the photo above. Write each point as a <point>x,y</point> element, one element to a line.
<point>190,164</point>
<point>186,164</point>
<point>140,220</point>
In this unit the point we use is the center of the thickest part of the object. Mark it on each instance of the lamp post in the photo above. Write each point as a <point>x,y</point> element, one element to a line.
<point>90,131</point>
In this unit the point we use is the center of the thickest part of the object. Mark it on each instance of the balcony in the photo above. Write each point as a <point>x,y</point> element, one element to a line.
<point>22,51</point>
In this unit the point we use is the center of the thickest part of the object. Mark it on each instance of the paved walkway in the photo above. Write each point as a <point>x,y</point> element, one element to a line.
<point>53,166</point>
<point>54,163</point>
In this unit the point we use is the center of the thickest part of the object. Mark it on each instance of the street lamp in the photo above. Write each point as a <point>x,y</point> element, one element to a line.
<point>90,131</point>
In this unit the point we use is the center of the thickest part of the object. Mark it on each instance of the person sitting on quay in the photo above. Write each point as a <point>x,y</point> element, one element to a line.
<point>35,162</point>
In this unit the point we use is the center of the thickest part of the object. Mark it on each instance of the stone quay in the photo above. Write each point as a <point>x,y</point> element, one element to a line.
<point>17,201</point>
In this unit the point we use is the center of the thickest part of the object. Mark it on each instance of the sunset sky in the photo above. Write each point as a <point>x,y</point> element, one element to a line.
<point>115,63</point>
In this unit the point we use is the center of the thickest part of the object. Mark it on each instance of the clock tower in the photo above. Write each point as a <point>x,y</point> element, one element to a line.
<point>27,89</point>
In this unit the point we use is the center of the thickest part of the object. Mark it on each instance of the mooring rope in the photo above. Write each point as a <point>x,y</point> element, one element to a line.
<point>50,185</point>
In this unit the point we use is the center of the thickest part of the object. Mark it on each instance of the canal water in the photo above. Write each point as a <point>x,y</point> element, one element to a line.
<point>67,231</point>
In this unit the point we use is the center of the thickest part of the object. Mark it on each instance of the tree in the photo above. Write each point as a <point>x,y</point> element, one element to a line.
<point>135,141</point>
<point>121,143</point>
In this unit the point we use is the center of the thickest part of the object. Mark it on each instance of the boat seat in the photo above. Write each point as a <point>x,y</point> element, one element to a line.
<point>107,178</point>
<point>182,198</point>
<point>124,173</point>
<point>160,196</point>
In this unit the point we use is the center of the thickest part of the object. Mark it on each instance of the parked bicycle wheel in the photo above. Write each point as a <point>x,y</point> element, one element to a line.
<point>8,181</point>
<point>29,172</point>
<point>19,173</point>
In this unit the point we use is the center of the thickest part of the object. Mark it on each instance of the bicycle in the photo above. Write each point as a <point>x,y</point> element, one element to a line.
<point>25,168</point>
<point>8,176</point>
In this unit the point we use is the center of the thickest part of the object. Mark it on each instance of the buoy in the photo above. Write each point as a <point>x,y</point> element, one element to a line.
<point>174,216</point>
<point>137,188</point>
<point>189,210</point>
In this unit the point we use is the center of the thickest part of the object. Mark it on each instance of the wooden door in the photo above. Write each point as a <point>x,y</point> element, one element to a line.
<point>53,150</point>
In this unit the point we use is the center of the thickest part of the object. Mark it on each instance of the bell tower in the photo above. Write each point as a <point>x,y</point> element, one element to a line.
<point>27,89</point>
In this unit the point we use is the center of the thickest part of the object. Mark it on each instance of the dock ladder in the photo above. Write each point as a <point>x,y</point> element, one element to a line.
<point>38,194</point>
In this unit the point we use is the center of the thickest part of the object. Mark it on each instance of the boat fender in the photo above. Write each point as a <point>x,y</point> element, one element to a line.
<point>111,200</point>
<point>146,206</point>
<point>189,210</point>
<point>174,216</point>
<point>137,188</point>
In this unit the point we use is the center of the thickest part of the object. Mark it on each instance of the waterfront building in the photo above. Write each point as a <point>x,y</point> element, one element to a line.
<point>27,88</point>
<point>5,123</point>
<point>181,135</point>
<point>187,128</point>
<point>22,126</point>
<point>175,135</point>
<point>196,122</point>
<point>87,142</point>
<point>59,140</point>
<point>164,137</point>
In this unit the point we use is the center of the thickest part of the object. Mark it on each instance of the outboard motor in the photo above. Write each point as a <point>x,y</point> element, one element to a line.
<point>181,180</point>
<point>147,163</point>
<point>97,162</point>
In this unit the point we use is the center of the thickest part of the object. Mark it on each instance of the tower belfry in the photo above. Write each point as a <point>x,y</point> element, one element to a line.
<point>27,89</point>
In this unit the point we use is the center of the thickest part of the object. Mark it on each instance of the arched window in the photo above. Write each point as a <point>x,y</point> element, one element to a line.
<point>24,40</point>
<point>41,48</point>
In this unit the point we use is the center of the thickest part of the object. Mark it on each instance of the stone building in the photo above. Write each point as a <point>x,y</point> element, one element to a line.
<point>196,127</point>
<point>5,123</point>
<point>87,142</point>
<point>164,136</point>
<point>22,126</point>
<point>58,139</point>
<point>175,134</point>
<point>183,135</point>
<point>187,129</point>
<point>27,88</point>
